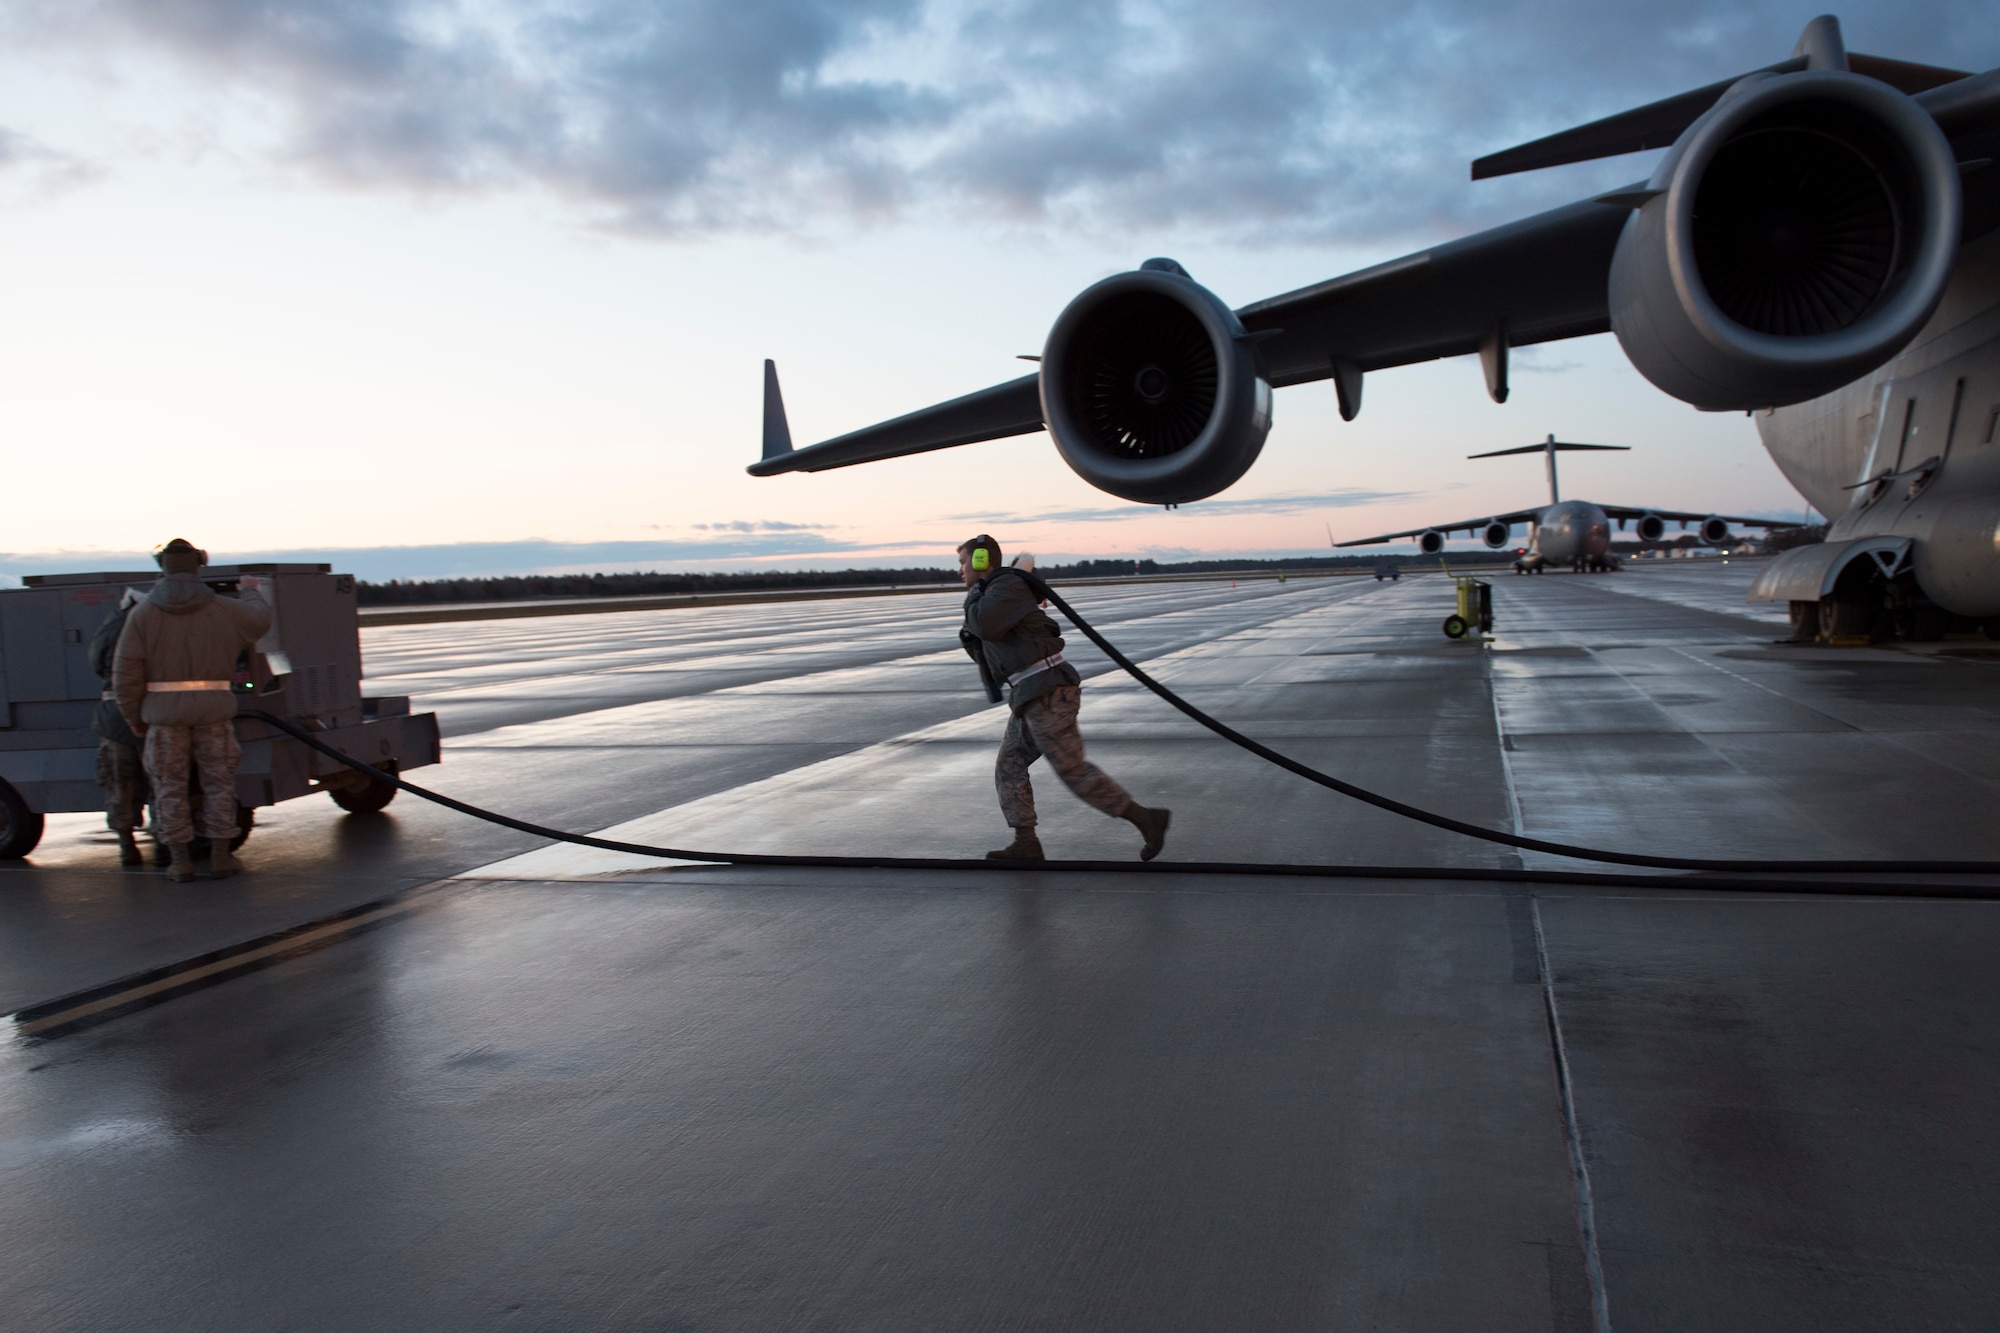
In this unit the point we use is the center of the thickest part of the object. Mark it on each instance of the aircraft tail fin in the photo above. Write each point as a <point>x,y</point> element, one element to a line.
<point>777,431</point>
<point>1658,124</point>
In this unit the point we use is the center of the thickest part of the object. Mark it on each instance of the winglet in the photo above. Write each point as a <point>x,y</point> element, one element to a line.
<point>777,432</point>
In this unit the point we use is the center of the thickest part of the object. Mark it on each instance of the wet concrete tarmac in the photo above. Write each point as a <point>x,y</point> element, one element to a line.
<point>569,1089</point>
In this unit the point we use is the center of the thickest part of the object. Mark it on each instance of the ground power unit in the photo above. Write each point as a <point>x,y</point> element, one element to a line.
<point>306,669</point>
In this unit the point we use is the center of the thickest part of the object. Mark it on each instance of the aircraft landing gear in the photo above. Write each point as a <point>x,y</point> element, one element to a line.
<point>1866,608</point>
<point>1805,622</point>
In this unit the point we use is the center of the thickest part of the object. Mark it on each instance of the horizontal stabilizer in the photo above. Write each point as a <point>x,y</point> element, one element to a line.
<point>777,431</point>
<point>1658,124</point>
<point>1560,446</point>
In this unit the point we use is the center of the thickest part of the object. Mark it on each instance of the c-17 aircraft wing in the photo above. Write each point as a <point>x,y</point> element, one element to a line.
<point>1156,391</point>
<point>1446,529</point>
<point>1013,408</point>
<point>1624,512</point>
<point>1530,281</point>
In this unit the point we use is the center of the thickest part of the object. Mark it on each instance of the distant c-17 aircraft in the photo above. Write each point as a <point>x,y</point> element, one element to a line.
<point>1575,533</point>
<point>1819,247</point>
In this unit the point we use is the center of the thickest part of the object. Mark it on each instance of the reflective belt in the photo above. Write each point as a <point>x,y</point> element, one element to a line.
<point>1053,660</point>
<point>184,686</point>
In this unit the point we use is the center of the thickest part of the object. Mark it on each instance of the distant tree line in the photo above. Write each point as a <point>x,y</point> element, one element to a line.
<point>527,587</point>
<point>418,592</point>
<point>514,588</point>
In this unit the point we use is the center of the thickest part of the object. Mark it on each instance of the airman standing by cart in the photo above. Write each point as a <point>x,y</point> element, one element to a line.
<point>172,673</point>
<point>121,769</point>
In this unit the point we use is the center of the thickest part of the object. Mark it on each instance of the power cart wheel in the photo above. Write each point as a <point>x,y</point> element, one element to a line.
<point>1455,627</point>
<point>363,796</point>
<point>20,827</point>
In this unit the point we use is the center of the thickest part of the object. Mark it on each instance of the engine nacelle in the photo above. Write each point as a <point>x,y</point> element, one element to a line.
<point>1807,229</point>
<point>1430,542</point>
<point>1151,390</point>
<point>1714,531</point>
<point>1649,527</point>
<point>1495,534</point>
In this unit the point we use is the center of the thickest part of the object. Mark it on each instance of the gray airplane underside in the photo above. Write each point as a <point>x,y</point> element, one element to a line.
<point>1817,247</point>
<point>1576,533</point>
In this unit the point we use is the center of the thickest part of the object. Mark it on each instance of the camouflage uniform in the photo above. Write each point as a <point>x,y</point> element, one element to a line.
<point>212,749</point>
<point>1045,728</point>
<point>119,769</point>
<point>123,776</point>
<point>1014,641</point>
<point>182,635</point>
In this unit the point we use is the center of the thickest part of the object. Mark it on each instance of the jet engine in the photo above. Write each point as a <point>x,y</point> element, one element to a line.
<point>1495,534</point>
<point>1649,527</point>
<point>1800,234</point>
<point>1714,531</point>
<point>1151,389</point>
<point>1430,542</point>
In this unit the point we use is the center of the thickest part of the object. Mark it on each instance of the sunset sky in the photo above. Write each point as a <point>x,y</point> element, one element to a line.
<point>489,284</point>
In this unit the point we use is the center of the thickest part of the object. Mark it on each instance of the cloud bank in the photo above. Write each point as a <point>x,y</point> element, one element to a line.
<point>722,545</point>
<point>1259,120</point>
<point>28,166</point>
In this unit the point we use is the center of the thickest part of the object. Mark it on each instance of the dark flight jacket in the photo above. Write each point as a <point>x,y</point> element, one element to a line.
<point>107,721</point>
<point>1014,633</point>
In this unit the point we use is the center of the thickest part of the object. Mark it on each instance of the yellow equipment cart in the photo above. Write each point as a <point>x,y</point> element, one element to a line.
<point>1475,608</point>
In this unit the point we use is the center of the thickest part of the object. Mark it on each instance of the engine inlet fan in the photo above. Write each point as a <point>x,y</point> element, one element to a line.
<point>1795,238</point>
<point>1146,377</point>
<point>1795,232</point>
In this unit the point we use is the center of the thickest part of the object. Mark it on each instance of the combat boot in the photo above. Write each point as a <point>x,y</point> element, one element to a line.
<point>181,869</point>
<point>1025,847</point>
<point>128,849</point>
<point>1152,826</point>
<point>221,865</point>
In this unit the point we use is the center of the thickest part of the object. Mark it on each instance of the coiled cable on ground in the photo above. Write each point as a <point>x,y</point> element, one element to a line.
<point>1711,873</point>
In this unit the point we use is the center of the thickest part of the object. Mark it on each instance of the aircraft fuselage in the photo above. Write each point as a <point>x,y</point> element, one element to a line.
<point>1913,450</point>
<point>1571,531</point>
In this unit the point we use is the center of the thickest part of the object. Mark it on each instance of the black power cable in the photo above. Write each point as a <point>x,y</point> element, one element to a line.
<point>1235,737</point>
<point>1730,878</point>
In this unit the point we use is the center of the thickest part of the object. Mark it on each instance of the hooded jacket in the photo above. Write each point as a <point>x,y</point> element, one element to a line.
<point>1014,633</point>
<point>183,631</point>
<point>107,721</point>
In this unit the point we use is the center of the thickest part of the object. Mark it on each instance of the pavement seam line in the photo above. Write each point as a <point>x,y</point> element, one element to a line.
<point>1506,757</point>
<point>1586,1206</point>
<point>158,985</point>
